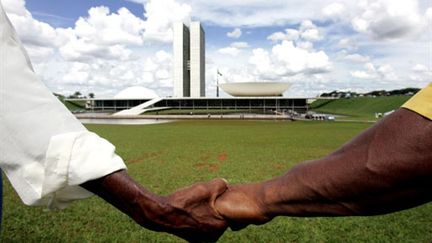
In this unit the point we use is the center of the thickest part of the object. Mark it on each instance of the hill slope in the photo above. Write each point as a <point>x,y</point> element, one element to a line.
<point>72,106</point>
<point>359,108</point>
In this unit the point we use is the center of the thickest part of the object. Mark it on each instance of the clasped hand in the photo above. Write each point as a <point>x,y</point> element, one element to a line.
<point>203,211</point>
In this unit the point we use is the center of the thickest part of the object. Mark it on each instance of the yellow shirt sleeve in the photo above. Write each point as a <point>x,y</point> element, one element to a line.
<point>421,102</point>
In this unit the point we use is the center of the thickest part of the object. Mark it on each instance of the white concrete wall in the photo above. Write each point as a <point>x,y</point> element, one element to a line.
<point>181,75</point>
<point>197,60</point>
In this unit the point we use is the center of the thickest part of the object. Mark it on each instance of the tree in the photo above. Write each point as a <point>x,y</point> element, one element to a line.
<point>91,95</point>
<point>77,94</point>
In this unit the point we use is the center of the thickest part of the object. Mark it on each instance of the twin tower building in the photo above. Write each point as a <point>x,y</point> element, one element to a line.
<point>189,60</point>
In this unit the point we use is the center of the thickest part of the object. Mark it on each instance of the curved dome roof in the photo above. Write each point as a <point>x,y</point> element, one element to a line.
<point>136,92</point>
<point>259,89</point>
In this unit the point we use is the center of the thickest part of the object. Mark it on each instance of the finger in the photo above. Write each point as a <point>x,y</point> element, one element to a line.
<point>211,189</point>
<point>222,202</point>
<point>217,187</point>
<point>204,191</point>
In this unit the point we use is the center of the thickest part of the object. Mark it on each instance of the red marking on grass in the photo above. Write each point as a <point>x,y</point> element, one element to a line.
<point>199,166</point>
<point>207,166</point>
<point>205,157</point>
<point>213,167</point>
<point>145,156</point>
<point>222,157</point>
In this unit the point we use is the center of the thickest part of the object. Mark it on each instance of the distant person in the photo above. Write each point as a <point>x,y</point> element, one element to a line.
<point>385,169</point>
<point>51,159</point>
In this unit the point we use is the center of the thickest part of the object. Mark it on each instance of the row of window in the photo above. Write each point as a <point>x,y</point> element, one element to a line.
<point>211,103</point>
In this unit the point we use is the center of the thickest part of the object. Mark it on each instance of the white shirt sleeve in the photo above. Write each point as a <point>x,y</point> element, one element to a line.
<point>44,150</point>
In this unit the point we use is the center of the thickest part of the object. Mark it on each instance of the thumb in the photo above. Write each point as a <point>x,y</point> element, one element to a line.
<point>218,187</point>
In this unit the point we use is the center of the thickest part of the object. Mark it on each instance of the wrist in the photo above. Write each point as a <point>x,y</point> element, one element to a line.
<point>269,192</point>
<point>149,210</point>
<point>244,204</point>
<point>279,196</point>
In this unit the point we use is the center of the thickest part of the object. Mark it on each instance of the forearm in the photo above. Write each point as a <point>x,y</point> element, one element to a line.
<point>385,169</point>
<point>187,213</point>
<point>296,194</point>
<point>121,191</point>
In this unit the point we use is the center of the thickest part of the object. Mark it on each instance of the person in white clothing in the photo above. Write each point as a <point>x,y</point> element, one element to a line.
<point>51,159</point>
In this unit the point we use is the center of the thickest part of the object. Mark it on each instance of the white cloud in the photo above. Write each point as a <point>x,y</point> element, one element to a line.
<point>105,28</point>
<point>112,75</point>
<point>286,59</point>
<point>387,19</point>
<point>277,36</point>
<point>289,35</point>
<point>362,75</point>
<point>334,11</point>
<point>307,31</point>
<point>306,24</point>
<point>34,32</point>
<point>99,35</point>
<point>122,49</point>
<point>163,57</point>
<point>240,45</point>
<point>160,15</point>
<point>236,33</point>
<point>382,73</point>
<point>387,72</point>
<point>428,15</point>
<point>255,13</point>
<point>378,18</point>
<point>347,43</point>
<point>311,35</point>
<point>357,58</point>
<point>420,68</point>
<point>78,73</point>
<point>422,72</point>
<point>234,49</point>
<point>236,75</point>
<point>96,54</point>
<point>307,45</point>
<point>80,50</point>
<point>102,35</point>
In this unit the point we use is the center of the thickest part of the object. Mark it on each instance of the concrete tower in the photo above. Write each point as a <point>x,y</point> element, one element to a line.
<point>189,60</point>
<point>197,60</point>
<point>181,49</point>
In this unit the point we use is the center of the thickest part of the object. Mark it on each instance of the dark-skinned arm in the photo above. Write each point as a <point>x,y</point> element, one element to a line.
<point>188,213</point>
<point>385,169</point>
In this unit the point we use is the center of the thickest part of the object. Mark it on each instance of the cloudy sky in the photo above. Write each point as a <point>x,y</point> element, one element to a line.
<point>316,45</point>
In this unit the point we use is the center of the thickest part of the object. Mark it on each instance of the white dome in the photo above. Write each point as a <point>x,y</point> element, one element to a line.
<point>136,92</point>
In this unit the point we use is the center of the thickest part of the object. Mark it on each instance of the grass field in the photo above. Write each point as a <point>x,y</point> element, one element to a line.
<point>167,156</point>
<point>362,108</point>
<point>73,105</point>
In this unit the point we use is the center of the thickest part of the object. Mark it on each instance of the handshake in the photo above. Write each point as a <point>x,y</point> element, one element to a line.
<point>201,212</point>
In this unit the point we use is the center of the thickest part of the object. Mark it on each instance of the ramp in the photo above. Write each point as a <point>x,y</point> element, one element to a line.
<point>134,111</point>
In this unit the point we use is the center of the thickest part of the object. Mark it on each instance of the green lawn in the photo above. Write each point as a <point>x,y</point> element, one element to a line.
<point>74,105</point>
<point>167,156</point>
<point>362,108</point>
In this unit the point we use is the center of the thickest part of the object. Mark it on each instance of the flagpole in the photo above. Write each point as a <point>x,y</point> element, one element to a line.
<point>217,82</point>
